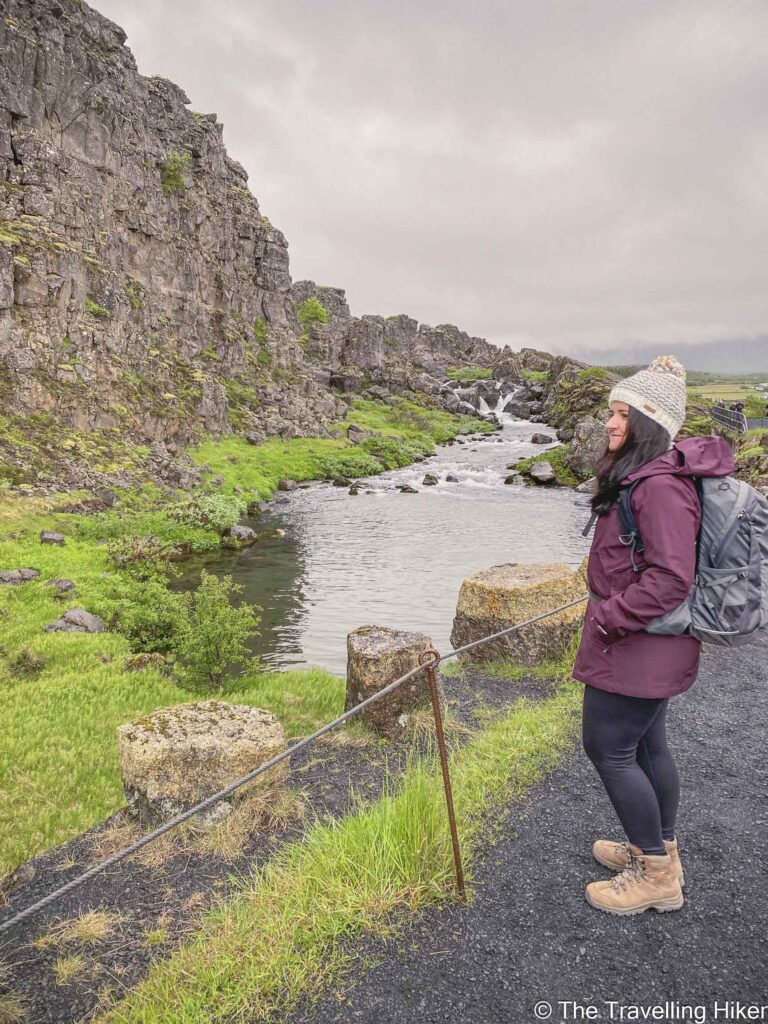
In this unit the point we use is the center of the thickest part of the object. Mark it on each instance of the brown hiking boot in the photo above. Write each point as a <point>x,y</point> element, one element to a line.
<point>616,856</point>
<point>648,881</point>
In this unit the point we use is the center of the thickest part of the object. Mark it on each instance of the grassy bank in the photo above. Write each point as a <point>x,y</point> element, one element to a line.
<point>64,694</point>
<point>408,432</point>
<point>356,876</point>
<point>564,475</point>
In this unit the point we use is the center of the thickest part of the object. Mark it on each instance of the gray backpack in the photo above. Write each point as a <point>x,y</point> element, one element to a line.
<point>728,602</point>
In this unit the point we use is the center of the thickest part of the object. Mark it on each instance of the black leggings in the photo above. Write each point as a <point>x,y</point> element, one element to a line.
<point>626,740</point>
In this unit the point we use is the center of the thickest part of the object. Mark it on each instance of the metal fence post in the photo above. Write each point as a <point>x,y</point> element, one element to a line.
<point>430,668</point>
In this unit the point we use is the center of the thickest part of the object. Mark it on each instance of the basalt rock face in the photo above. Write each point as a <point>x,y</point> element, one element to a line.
<point>138,274</point>
<point>144,294</point>
<point>371,342</point>
<point>141,288</point>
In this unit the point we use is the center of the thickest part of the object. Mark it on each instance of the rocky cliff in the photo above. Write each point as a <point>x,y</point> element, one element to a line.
<point>142,290</point>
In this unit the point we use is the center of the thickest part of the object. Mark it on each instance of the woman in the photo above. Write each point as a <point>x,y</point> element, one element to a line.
<point>631,674</point>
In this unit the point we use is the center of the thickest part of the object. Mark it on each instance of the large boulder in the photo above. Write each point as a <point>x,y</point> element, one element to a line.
<point>178,756</point>
<point>542,472</point>
<point>505,595</point>
<point>519,409</point>
<point>376,656</point>
<point>587,445</point>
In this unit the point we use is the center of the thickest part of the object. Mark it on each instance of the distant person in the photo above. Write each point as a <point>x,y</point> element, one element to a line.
<point>739,406</point>
<point>721,403</point>
<point>630,674</point>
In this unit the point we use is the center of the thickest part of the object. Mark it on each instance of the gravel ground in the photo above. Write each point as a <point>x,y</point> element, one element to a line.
<point>528,934</point>
<point>173,895</point>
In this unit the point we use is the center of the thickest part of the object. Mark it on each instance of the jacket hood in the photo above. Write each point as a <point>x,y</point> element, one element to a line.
<point>691,456</point>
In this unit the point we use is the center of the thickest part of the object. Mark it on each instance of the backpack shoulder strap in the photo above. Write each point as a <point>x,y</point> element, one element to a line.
<point>630,534</point>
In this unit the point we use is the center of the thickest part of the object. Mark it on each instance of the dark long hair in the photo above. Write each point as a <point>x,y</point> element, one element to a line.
<point>646,439</point>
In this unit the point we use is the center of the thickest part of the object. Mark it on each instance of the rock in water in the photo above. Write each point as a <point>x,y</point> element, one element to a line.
<point>542,472</point>
<point>239,536</point>
<point>177,756</point>
<point>286,485</point>
<point>430,480</point>
<point>542,439</point>
<point>505,595</point>
<point>376,656</point>
<point>588,486</point>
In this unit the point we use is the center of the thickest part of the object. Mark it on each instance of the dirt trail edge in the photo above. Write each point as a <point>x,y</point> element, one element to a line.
<point>529,935</point>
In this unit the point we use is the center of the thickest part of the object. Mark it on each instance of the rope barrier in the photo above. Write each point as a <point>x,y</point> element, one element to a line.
<point>179,819</point>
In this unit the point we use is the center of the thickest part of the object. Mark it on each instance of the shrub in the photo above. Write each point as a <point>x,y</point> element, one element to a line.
<point>311,311</point>
<point>172,172</point>
<point>394,453</point>
<point>209,511</point>
<point>141,557</point>
<point>212,633</point>
<point>148,615</point>
<point>260,329</point>
<point>348,462</point>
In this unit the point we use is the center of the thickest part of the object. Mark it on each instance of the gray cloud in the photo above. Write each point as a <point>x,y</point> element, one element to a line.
<point>582,177</point>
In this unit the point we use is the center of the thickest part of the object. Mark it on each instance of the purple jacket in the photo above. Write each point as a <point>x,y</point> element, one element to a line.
<point>615,653</point>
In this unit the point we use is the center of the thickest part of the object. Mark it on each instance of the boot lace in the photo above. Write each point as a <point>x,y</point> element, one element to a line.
<point>633,873</point>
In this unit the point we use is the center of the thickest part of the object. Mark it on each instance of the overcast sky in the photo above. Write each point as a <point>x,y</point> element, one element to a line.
<point>582,176</point>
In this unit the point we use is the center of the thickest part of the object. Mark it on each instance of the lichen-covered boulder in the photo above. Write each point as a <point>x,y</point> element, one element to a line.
<point>586,446</point>
<point>505,595</point>
<point>15,577</point>
<point>239,536</point>
<point>51,537</point>
<point>376,656</point>
<point>76,620</point>
<point>175,757</point>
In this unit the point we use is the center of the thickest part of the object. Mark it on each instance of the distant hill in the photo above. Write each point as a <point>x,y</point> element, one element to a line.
<point>739,356</point>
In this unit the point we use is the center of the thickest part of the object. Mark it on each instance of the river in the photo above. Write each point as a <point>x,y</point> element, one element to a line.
<point>327,562</point>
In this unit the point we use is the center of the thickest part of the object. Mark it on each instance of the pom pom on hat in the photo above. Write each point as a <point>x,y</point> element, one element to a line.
<point>658,392</point>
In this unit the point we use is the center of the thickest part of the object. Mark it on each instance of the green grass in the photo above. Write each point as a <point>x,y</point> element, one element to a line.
<point>258,468</point>
<point>63,695</point>
<point>564,475</point>
<point>58,750</point>
<point>535,376</point>
<point>469,373</point>
<point>350,877</point>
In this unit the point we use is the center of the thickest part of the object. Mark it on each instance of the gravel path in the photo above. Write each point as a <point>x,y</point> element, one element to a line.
<point>529,934</point>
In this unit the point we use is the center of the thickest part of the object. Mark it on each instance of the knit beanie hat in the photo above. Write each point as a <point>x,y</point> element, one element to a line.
<point>658,392</point>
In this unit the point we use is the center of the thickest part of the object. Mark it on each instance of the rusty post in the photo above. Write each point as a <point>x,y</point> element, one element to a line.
<point>430,670</point>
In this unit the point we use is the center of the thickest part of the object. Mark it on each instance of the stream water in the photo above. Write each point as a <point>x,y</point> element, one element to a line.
<point>395,559</point>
